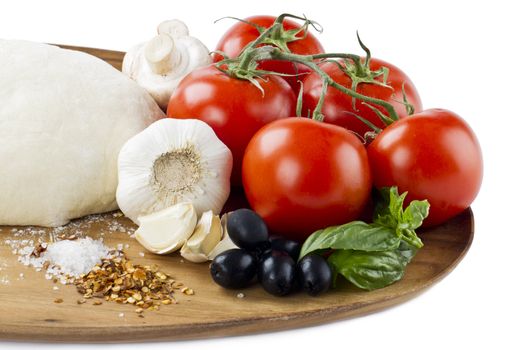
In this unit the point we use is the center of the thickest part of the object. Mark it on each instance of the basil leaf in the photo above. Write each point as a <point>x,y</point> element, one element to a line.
<point>389,212</point>
<point>369,270</point>
<point>374,255</point>
<point>356,235</point>
<point>415,213</point>
<point>407,251</point>
<point>389,207</point>
<point>373,270</point>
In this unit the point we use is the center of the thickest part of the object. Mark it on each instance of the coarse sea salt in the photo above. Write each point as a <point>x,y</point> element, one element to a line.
<point>24,240</point>
<point>76,257</point>
<point>67,259</point>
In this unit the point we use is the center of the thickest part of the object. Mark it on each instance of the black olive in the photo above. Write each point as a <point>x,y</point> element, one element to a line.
<point>293,248</point>
<point>314,274</point>
<point>263,254</point>
<point>246,229</point>
<point>261,250</point>
<point>277,273</point>
<point>234,268</point>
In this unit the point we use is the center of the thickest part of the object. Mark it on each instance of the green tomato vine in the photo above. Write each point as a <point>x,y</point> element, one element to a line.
<point>272,45</point>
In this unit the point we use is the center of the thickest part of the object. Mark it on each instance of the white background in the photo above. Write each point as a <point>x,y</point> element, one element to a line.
<point>465,56</point>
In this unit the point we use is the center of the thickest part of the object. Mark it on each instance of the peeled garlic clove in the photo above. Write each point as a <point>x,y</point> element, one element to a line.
<point>173,161</point>
<point>226,243</point>
<point>206,236</point>
<point>165,231</point>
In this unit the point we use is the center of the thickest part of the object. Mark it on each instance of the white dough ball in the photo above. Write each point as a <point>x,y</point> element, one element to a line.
<point>64,115</point>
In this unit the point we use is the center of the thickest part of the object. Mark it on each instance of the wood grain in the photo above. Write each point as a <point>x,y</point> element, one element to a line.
<point>29,313</point>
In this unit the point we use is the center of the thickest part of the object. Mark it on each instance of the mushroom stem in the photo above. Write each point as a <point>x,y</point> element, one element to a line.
<point>160,53</point>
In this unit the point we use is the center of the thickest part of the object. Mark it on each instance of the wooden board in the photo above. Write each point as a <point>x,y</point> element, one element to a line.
<point>29,312</point>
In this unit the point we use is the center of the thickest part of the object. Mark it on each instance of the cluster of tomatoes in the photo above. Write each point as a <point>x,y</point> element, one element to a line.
<point>300,174</point>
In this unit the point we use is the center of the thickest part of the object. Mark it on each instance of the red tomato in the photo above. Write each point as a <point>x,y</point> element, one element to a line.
<point>433,155</point>
<point>234,108</point>
<point>241,34</point>
<point>301,175</point>
<point>336,103</point>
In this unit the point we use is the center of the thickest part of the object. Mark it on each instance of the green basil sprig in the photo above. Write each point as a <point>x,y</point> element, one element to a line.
<point>389,213</point>
<point>373,255</point>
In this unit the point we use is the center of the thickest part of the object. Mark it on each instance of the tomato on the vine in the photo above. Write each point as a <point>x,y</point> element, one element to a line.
<point>241,34</point>
<point>234,108</point>
<point>301,175</point>
<point>433,155</point>
<point>337,104</point>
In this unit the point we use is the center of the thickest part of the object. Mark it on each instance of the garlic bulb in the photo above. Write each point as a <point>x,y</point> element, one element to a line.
<point>173,161</point>
<point>206,236</point>
<point>165,231</point>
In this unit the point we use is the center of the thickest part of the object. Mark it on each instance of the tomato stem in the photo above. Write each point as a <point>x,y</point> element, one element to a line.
<point>250,51</point>
<point>365,49</point>
<point>365,121</point>
<point>299,106</point>
<point>255,25</point>
<point>272,45</point>
<point>409,108</point>
<point>317,115</point>
<point>277,36</point>
<point>308,60</point>
<point>385,119</point>
<point>355,58</point>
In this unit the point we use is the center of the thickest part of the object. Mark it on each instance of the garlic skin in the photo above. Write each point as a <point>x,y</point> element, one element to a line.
<point>206,236</point>
<point>165,231</point>
<point>173,161</point>
<point>161,63</point>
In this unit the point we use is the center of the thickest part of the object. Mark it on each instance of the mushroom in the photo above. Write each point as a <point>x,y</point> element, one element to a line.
<point>161,63</point>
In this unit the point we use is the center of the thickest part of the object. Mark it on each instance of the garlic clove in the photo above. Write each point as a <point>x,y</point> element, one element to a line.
<point>206,236</point>
<point>165,231</point>
<point>173,161</point>
<point>225,243</point>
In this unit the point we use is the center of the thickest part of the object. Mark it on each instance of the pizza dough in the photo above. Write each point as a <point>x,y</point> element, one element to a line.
<point>64,115</point>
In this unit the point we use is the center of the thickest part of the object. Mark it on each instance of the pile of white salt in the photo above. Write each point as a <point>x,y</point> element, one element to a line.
<point>66,259</point>
<point>76,257</point>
